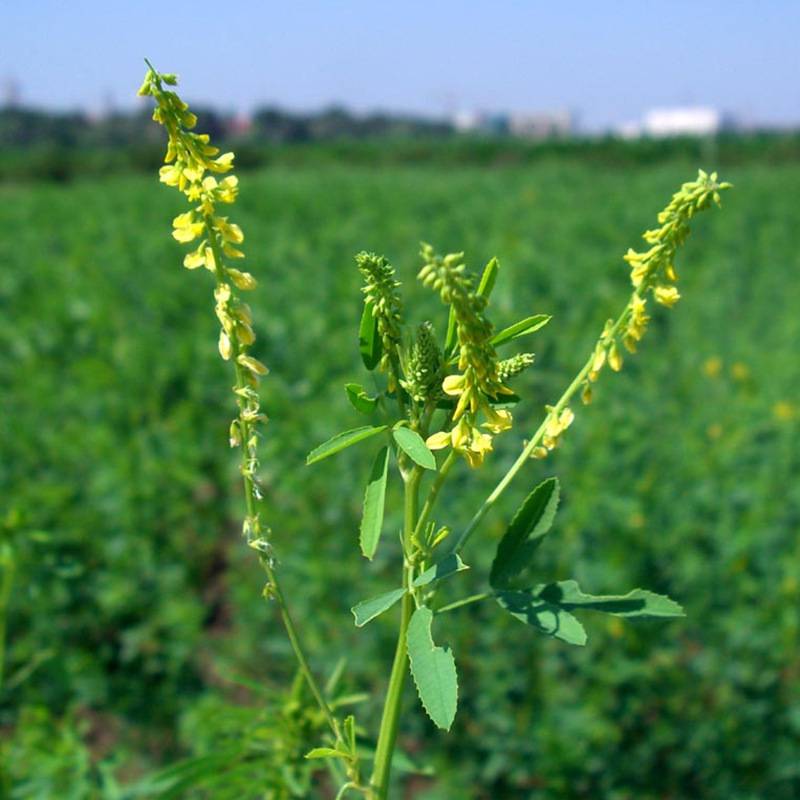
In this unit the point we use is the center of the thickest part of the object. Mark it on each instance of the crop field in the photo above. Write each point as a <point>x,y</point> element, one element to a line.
<point>136,633</point>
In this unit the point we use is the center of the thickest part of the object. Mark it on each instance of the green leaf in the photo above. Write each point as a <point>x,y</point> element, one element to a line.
<point>374,497</point>
<point>342,440</point>
<point>367,610</point>
<point>521,328</point>
<point>413,445</point>
<point>326,752</point>
<point>548,607</point>
<point>433,669</point>
<point>488,278</point>
<point>449,565</point>
<point>525,533</point>
<point>450,338</point>
<point>369,343</point>
<point>548,618</point>
<point>637,603</point>
<point>359,398</point>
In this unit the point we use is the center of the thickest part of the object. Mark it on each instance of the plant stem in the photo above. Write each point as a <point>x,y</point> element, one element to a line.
<point>387,737</point>
<point>250,498</point>
<point>473,598</point>
<point>523,457</point>
<point>433,493</point>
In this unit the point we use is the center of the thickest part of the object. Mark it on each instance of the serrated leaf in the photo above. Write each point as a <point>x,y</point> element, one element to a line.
<point>369,343</point>
<point>433,669</point>
<point>449,565</point>
<point>413,445</point>
<point>367,610</point>
<point>488,278</point>
<point>359,398</point>
<point>326,752</point>
<point>636,603</point>
<point>525,533</point>
<point>374,499</point>
<point>521,328</point>
<point>342,440</point>
<point>550,619</point>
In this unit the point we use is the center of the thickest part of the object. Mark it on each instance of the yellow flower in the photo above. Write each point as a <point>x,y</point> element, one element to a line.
<point>740,371</point>
<point>197,258</point>
<point>242,280</point>
<point>229,231</point>
<point>497,421</point>
<point>454,385</point>
<point>614,358</point>
<point>186,229</point>
<point>479,446</point>
<point>712,366</point>
<point>667,295</point>
<point>253,364</point>
<point>438,441</point>
<point>225,348</point>
<point>460,435</point>
<point>784,411</point>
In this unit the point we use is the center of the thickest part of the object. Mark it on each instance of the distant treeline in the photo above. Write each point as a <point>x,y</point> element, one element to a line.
<point>37,145</point>
<point>27,128</point>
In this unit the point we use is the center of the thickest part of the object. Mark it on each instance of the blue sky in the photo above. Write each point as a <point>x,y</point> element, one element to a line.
<point>608,61</point>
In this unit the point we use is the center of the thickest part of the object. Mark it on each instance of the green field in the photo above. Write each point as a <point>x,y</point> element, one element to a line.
<point>136,633</point>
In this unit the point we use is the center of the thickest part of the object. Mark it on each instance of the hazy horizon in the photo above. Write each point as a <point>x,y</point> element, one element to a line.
<point>608,68</point>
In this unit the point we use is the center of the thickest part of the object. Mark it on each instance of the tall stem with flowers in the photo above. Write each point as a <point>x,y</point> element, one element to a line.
<point>452,395</point>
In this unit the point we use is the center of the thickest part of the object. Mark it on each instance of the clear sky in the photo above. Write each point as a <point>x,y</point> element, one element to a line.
<point>608,61</point>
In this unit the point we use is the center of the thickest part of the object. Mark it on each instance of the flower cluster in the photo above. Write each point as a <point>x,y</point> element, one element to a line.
<point>380,292</point>
<point>555,424</point>
<point>423,370</point>
<point>188,161</point>
<point>511,367</point>
<point>478,383</point>
<point>653,271</point>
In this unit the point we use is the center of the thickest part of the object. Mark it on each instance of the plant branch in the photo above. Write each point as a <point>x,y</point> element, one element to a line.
<point>523,457</point>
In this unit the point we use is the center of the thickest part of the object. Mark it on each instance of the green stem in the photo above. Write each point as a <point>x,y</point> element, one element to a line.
<point>523,457</point>
<point>466,601</point>
<point>250,497</point>
<point>433,493</point>
<point>387,736</point>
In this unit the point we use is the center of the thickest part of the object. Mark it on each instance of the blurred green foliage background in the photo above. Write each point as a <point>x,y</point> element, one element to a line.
<point>136,631</point>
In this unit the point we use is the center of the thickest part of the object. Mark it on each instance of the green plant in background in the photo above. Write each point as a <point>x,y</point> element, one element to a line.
<point>451,395</point>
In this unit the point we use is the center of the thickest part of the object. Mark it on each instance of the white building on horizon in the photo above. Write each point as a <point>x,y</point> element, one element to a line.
<point>685,121</point>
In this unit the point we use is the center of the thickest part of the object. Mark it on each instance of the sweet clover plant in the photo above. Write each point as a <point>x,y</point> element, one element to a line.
<point>445,390</point>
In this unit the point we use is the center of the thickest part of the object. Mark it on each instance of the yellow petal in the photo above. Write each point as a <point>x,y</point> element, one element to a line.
<point>242,280</point>
<point>225,348</point>
<point>453,385</point>
<point>253,364</point>
<point>438,441</point>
